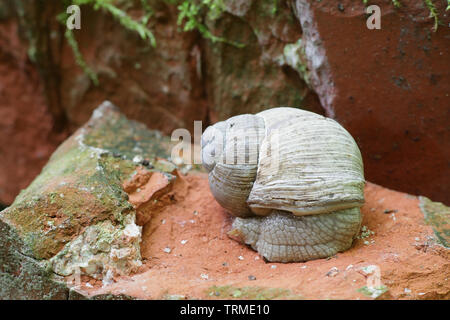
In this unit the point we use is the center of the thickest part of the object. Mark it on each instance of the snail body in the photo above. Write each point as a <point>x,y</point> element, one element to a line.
<point>293,179</point>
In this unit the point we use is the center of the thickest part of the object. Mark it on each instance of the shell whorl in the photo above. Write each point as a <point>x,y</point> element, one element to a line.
<point>290,159</point>
<point>291,167</point>
<point>232,160</point>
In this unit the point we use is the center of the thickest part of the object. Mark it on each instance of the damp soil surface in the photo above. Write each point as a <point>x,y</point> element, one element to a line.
<point>187,255</point>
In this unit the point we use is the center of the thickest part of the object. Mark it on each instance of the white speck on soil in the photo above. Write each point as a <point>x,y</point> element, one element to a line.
<point>204,276</point>
<point>333,272</point>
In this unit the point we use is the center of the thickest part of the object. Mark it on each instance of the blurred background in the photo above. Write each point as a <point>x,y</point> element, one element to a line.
<point>167,63</point>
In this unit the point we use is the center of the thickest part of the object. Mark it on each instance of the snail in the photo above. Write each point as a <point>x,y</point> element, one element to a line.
<point>293,179</point>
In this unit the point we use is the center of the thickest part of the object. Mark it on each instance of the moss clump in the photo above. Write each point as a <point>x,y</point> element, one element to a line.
<point>251,293</point>
<point>192,16</point>
<point>437,215</point>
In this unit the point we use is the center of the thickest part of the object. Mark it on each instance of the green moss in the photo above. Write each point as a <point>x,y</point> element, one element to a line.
<point>274,9</point>
<point>373,292</point>
<point>124,19</point>
<point>428,3</point>
<point>79,189</point>
<point>252,293</point>
<point>437,215</point>
<point>22,277</point>
<point>396,3</point>
<point>124,138</point>
<point>70,38</point>
<point>79,186</point>
<point>294,55</point>
<point>191,15</point>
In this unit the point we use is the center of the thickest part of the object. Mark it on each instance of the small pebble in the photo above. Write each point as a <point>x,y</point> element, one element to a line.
<point>204,276</point>
<point>167,250</point>
<point>138,159</point>
<point>370,269</point>
<point>241,258</point>
<point>256,258</point>
<point>163,221</point>
<point>250,277</point>
<point>145,163</point>
<point>341,7</point>
<point>89,285</point>
<point>303,267</point>
<point>273,266</point>
<point>225,264</point>
<point>183,241</point>
<point>407,290</point>
<point>195,213</point>
<point>333,272</point>
<point>390,211</point>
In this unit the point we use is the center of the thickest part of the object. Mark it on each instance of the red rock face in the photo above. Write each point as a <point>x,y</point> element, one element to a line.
<point>388,87</point>
<point>27,138</point>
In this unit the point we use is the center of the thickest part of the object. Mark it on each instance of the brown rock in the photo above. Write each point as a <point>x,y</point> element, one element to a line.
<point>185,78</point>
<point>257,76</point>
<point>388,87</point>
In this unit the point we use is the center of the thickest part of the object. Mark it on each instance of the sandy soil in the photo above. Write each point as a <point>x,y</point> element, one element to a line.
<point>187,252</point>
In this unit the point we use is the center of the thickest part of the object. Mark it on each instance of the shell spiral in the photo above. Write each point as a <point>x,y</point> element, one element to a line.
<point>293,179</point>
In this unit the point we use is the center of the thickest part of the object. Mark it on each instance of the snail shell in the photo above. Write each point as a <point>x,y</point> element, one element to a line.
<point>294,180</point>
